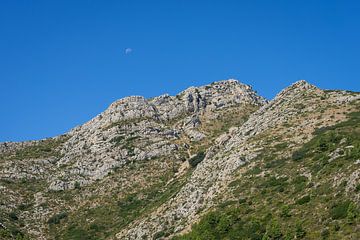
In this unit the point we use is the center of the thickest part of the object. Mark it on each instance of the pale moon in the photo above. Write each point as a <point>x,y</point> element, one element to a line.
<point>128,50</point>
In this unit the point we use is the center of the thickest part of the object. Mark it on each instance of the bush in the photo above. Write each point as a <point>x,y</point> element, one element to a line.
<point>352,213</point>
<point>339,210</point>
<point>57,218</point>
<point>273,231</point>
<point>256,170</point>
<point>77,185</point>
<point>5,234</point>
<point>298,155</point>
<point>117,140</point>
<point>299,231</point>
<point>299,183</point>
<point>275,163</point>
<point>303,200</point>
<point>285,211</point>
<point>12,233</point>
<point>159,235</point>
<point>275,182</point>
<point>194,161</point>
<point>13,216</point>
<point>242,200</point>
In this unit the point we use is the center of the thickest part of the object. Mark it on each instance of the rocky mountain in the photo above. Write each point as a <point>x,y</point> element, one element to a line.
<point>213,162</point>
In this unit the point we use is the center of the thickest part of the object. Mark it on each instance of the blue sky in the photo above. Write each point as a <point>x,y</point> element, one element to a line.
<point>63,62</point>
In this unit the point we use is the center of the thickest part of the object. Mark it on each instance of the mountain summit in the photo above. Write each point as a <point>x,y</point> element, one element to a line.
<point>212,162</point>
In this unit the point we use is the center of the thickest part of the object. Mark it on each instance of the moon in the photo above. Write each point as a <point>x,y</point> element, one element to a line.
<point>128,50</point>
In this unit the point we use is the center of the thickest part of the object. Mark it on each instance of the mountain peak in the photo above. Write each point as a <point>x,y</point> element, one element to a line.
<point>302,83</point>
<point>296,88</point>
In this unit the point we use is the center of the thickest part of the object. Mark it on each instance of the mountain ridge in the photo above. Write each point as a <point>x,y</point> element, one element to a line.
<point>167,159</point>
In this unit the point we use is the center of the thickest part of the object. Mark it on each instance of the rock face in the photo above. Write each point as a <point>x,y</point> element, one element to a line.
<point>221,127</point>
<point>137,129</point>
<point>234,149</point>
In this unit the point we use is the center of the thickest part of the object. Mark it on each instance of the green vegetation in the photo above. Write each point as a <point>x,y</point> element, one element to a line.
<point>56,219</point>
<point>226,224</point>
<point>41,149</point>
<point>303,200</point>
<point>10,227</point>
<point>134,121</point>
<point>287,205</point>
<point>235,223</point>
<point>12,233</point>
<point>339,210</point>
<point>194,161</point>
<point>112,215</point>
<point>327,139</point>
<point>77,185</point>
<point>117,140</point>
<point>125,142</point>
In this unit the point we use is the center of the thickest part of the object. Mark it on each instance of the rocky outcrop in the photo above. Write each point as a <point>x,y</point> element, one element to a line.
<point>233,150</point>
<point>133,129</point>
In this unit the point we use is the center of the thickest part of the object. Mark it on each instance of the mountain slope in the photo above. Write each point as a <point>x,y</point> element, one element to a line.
<point>152,168</point>
<point>135,146</point>
<point>287,192</point>
<point>294,114</point>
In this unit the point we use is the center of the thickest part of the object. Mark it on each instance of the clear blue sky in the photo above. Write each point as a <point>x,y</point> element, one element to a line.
<point>63,62</point>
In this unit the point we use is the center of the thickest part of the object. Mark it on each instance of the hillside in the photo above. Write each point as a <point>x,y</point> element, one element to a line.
<point>213,162</point>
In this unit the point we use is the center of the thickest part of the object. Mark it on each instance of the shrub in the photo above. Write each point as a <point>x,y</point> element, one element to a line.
<point>285,211</point>
<point>273,231</point>
<point>5,234</point>
<point>275,163</point>
<point>303,200</point>
<point>57,218</point>
<point>300,179</point>
<point>23,207</point>
<point>299,231</point>
<point>299,183</point>
<point>77,185</point>
<point>194,161</point>
<point>339,210</point>
<point>96,228</point>
<point>281,146</point>
<point>13,216</point>
<point>159,235</point>
<point>77,233</point>
<point>354,154</point>
<point>117,140</point>
<point>242,200</point>
<point>256,170</point>
<point>298,155</point>
<point>352,213</point>
<point>275,182</point>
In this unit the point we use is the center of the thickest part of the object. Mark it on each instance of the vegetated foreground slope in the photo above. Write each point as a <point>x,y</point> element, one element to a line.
<point>214,162</point>
<point>313,193</point>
